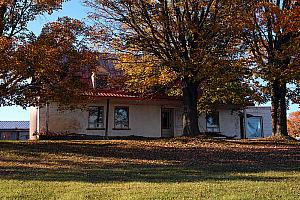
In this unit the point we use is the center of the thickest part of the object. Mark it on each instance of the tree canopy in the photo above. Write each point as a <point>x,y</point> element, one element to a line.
<point>208,51</point>
<point>271,30</point>
<point>55,63</point>
<point>48,67</point>
<point>15,14</point>
<point>294,124</point>
<point>167,43</point>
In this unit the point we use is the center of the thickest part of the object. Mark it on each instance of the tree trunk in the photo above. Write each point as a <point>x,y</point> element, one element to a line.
<point>190,116</point>
<point>279,111</point>
<point>2,13</point>
<point>275,106</point>
<point>282,111</point>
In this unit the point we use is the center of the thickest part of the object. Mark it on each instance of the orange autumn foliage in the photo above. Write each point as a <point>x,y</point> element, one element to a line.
<point>294,124</point>
<point>38,69</point>
<point>271,30</point>
<point>175,47</point>
<point>46,68</point>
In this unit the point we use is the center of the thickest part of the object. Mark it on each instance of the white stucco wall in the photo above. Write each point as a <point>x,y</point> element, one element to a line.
<point>33,122</point>
<point>202,122</point>
<point>144,119</point>
<point>229,123</point>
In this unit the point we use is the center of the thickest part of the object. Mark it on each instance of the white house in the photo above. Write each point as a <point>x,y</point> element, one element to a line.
<point>121,114</point>
<point>124,115</point>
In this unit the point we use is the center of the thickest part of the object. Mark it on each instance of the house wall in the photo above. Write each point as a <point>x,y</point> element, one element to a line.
<point>9,135</point>
<point>24,135</point>
<point>229,121</point>
<point>33,127</point>
<point>265,113</point>
<point>14,134</point>
<point>144,119</point>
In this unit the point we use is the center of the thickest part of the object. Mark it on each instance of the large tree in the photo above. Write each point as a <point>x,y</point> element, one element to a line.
<point>48,67</point>
<point>56,65</point>
<point>14,18</point>
<point>189,41</point>
<point>16,14</point>
<point>272,33</point>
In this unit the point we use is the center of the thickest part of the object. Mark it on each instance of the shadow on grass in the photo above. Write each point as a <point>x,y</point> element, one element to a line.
<point>135,174</point>
<point>124,162</point>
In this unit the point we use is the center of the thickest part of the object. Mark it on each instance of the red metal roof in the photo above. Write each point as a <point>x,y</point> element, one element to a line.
<point>105,93</point>
<point>121,94</point>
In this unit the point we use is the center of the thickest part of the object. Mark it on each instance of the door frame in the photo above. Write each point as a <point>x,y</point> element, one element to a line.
<point>172,122</point>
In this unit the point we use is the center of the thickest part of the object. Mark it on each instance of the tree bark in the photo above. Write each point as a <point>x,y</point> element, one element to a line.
<point>282,111</point>
<point>2,13</point>
<point>190,116</point>
<point>279,110</point>
<point>275,106</point>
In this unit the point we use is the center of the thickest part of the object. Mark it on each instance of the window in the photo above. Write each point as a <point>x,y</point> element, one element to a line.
<point>212,122</point>
<point>254,127</point>
<point>101,81</point>
<point>9,136</point>
<point>122,118</point>
<point>96,117</point>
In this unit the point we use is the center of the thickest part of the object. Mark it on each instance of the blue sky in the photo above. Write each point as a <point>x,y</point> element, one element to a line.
<point>73,9</point>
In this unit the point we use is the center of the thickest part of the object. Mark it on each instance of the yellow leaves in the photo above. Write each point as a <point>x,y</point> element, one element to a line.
<point>144,72</point>
<point>165,77</point>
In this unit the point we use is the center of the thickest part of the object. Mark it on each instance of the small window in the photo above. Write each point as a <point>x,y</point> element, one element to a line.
<point>101,81</point>
<point>122,118</point>
<point>96,117</point>
<point>212,122</point>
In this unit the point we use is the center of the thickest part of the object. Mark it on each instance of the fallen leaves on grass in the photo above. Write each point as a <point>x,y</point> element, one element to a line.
<point>129,159</point>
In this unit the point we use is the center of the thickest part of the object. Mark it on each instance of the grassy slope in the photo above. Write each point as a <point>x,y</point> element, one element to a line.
<point>149,169</point>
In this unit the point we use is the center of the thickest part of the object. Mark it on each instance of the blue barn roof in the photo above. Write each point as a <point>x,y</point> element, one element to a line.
<point>6,125</point>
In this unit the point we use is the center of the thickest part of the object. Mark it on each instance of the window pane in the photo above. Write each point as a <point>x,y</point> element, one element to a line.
<point>254,127</point>
<point>212,122</point>
<point>101,81</point>
<point>96,117</point>
<point>121,117</point>
<point>9,136</point>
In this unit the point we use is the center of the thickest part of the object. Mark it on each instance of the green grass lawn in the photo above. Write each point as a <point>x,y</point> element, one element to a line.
<point>150,169</point>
